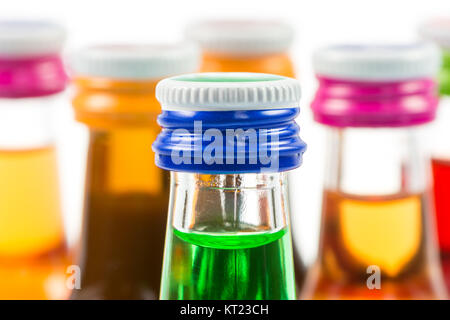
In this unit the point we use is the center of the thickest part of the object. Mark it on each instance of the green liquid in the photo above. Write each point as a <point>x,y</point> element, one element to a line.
<point>235,266</point>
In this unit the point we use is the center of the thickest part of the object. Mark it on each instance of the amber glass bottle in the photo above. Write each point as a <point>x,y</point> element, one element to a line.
<point>126,195</point>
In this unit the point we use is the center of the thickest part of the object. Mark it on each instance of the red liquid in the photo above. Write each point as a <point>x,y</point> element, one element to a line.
<point>441,174</point>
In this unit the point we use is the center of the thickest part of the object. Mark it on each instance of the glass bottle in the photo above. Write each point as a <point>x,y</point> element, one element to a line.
<point>438,30</point>
<point>126,195</point>
<point>33,251</point>
<point>228,232</point>
<point>244,46</point>
<point>248,46</point>
<point>378,236</point>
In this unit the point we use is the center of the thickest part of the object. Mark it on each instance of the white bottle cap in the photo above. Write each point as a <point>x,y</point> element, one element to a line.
<point>377,62</point>
<point>140,62</point>
<point>241,37</point>
<point>27,38</point>
<point>228,91</point>
<point>437,30</point>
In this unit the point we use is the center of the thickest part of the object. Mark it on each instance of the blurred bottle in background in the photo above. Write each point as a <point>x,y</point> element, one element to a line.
<point>377,237</point>
<point>33,251</point>
<point>439,31</point>
<point>126,195</point>
<point>244,46</point>
<point>247,46</point>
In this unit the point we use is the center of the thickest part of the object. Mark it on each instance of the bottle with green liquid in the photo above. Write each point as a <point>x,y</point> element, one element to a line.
<point>228,140</point>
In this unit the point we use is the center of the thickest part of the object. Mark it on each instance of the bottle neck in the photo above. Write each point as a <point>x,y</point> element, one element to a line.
<point>125,202</point>
<point>30,212</point>
<point>26,123</point>
<point>440,146</point>
<point>120,161</point>
<point>280,63</point>
<point>229,203</point>
<point>109,103</point>
<point>376,216</point>
<point>121,116</point>
<point>444,76</point>
<point>228,238</point>
<point>376,162</point>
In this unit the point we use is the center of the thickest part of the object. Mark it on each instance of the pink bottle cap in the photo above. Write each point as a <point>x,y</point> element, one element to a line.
<point>376,86</point>
<point>30,64</point>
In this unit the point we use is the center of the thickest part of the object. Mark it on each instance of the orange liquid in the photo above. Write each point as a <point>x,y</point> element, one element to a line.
<point>279,64</point>
<point>33,254</point>
<point>387,232</point>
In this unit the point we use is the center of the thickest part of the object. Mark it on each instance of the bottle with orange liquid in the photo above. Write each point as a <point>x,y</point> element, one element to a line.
<point>33,252</point>
<point>247,46</point>
<point>244,46</point>
<point>377,237</point>
<point>439,31</point>
<point>126,195</point>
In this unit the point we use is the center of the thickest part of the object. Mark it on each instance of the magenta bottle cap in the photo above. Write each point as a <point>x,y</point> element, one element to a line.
<point>376,86</point>
<point>30,61</point>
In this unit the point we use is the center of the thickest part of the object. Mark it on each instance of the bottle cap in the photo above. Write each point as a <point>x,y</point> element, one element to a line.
<point>136,62</point>
<point>19,39</point>
<point>228,123</point>
<point>30,63</point>
<point>377,62</point>
<point>241,37</point>
<point>437,30</point>
<point>376,86</point>
<point>228,91</point>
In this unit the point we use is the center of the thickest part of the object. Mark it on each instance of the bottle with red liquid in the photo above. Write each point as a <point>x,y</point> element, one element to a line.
<point>439,32</point>
<point>377,238</point>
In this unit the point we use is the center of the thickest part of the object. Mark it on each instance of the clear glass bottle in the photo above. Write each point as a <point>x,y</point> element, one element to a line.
<point>33,250</point>
<point>378,233</point>
<point>438,30</point>
<point>228,232</point>
<point>235,236</point>
<point>126,195</point>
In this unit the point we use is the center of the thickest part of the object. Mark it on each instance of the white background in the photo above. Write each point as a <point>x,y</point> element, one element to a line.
<point>317,23</point>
